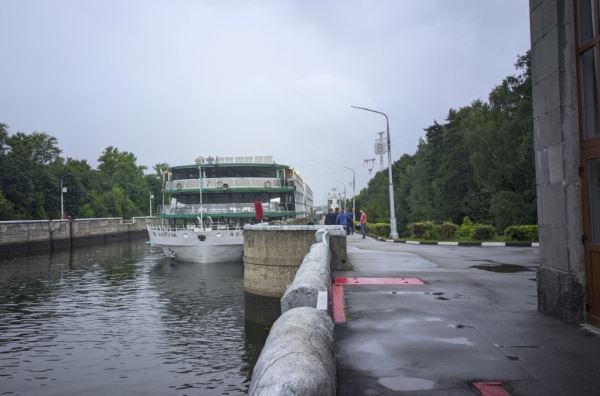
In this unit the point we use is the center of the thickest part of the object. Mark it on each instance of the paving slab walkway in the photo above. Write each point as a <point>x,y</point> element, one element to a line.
<point>474,321</point>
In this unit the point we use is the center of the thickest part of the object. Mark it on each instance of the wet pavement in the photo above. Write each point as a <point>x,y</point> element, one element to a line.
<point>475,319</point>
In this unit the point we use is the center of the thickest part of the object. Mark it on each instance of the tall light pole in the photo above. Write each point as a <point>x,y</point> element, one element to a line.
<point>62,190</point>
<point>353,191</point>
<point>151,196</point>
<point>393,226</point>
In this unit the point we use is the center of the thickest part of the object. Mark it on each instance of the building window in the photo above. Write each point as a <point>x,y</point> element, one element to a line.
<point>588,93</point>
<point>588,41</point>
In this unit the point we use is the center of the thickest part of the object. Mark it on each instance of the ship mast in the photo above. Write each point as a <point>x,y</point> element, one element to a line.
<point>199,162</point>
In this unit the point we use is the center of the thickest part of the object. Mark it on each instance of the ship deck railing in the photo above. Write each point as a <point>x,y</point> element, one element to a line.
<point>208,209</point>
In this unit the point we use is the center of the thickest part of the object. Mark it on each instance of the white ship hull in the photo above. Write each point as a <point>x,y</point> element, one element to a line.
<point>197,246</point>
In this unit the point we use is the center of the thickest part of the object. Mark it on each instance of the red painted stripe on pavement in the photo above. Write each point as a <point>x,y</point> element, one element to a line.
<point>491,388</point>
<point>378,281</point>
<point>339,316</point>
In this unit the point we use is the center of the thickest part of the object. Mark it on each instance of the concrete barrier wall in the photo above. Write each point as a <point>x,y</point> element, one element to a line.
<point>298,357</point>
<point>273,254</point>
<point>45,234</point>
<point>313,276</point>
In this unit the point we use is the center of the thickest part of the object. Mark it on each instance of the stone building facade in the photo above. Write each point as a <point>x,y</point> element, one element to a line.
<point>565,57</point>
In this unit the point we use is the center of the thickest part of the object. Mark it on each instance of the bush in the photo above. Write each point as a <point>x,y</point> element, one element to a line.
<point>481,232</point>
<point>447,230</point>
<point>527,233</point>
<point>466,229</point>
<point>418,230</point>
<point>433,234</point>
<point>379,229</point>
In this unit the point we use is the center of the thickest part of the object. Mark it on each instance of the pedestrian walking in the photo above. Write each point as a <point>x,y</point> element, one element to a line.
<point>363,223</point>
<point>342,219</point>
<point>330,217</point>
<point>350,230</point>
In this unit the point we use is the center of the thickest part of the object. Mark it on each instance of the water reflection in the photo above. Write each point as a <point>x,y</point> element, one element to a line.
<point>122,319</point>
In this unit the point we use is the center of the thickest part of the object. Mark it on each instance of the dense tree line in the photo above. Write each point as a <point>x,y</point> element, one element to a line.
<point>478,163</point>
<point>31,168</point>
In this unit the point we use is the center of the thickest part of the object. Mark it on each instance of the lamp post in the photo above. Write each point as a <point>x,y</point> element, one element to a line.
<point>393,226</point>
<point>151,196</point>
<point>353,191</point>
<point>62,190</point>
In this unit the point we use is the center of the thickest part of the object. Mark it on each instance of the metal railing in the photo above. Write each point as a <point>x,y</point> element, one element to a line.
<point>225,182</point>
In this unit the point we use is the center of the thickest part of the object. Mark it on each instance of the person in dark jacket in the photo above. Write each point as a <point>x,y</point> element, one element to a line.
<point>330,217</point>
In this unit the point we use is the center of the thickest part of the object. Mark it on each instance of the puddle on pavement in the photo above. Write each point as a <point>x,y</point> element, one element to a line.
<point>502,268</point>
<point>455,341</point>
<point>406,384</point>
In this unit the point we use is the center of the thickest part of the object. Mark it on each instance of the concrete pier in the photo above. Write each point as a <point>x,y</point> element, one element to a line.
<point>273,254</point>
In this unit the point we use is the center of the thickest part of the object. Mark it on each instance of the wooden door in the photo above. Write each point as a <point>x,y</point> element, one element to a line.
<point>591,213</point>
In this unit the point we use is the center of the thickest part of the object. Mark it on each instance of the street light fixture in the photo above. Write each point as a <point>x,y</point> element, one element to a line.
<point>393,226</point>
<point>353,191</point>
<point>151,196</point>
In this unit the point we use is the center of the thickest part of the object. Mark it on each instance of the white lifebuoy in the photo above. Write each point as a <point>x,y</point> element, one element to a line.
<point>268,184</point>
<point>225,186</point>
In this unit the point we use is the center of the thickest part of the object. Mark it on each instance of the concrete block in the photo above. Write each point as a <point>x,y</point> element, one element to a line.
<point>550,16</point>
<point>555,164</point>
<point>312,277</point>
<point>538,105</point>
<point>540,214</point>
<point>533,4</point>
<point>298,357</point>
<point>551,92</point>
<point>560,295</point>
<point>553,205</point>
<point>273,254</point>
<point>547,130</point>
<point>558,248</point>
<point>546,61</point>
<point>541,167</point>
<point>537,24</point>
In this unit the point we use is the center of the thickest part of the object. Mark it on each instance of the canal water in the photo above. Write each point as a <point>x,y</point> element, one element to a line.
<point>121,319</point>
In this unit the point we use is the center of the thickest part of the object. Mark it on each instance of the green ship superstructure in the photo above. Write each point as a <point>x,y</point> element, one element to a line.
<point>225,190</point>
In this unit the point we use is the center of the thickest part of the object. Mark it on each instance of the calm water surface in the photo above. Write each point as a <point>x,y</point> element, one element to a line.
<point>121,319</point>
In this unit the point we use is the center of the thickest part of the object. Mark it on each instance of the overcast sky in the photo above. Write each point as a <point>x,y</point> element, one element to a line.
<point>171,80</point>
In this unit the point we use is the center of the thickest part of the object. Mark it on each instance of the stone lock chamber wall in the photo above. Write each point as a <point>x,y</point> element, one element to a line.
<point>273,254</point>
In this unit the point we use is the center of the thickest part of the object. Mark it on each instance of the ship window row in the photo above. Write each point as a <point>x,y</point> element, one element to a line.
<point>227,172</point>
<point>190,199</point>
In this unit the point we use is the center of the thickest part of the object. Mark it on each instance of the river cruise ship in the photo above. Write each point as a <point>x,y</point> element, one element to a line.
<point>206,205</point>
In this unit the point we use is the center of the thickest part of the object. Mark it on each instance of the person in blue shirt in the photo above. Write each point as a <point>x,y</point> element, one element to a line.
<point>342,219</point>
<point>350,227</point>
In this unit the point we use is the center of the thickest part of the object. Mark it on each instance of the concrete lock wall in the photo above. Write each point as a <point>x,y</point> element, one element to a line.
<point>561,275</point>
<point>313,276</point>
<point>298,357</point>
<point>273,254</point>
<point>42,235</point>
